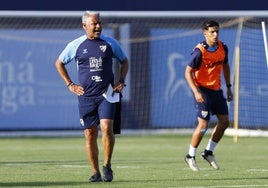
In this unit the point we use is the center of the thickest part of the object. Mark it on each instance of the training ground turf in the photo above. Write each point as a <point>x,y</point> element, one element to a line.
<point>139,161</point>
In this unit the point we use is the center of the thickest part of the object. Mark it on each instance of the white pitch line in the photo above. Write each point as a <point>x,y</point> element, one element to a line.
<point>86,166</point>
<point>129,167</point>
<point>16,164</point>
<point>257,170</point>
<point>75,166</point>
<point>224,186</point>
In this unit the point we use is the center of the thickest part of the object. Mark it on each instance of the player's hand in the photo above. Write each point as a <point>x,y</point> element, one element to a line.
<point>119,87</point>
<point>229,95</point>
<point>76,89</point>
<point>198,97</point>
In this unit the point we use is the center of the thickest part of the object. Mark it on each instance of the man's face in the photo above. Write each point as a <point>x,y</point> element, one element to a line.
<point>93,27</point>
<point>211,35</point>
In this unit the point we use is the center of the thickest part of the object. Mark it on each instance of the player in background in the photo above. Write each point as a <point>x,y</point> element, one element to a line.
<point>94,54</point>
<point>208,61</point>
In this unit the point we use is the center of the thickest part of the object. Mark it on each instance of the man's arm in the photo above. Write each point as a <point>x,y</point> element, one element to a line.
<point>123,73</point>
<point>226,74</point>
<point>63,72</point>
<point>189,78</point>
<point>123,70</point>
<point>76,89</point>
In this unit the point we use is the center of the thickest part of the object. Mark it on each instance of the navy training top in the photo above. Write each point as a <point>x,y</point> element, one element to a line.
<point>94,60</point>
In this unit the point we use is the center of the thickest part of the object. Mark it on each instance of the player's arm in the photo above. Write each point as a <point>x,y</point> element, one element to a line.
<point>63,72</point>
<point>190,81</point>
<point>189,78</point>
<point>123,73</point>
<point>226,74</point>
<point>123,70</point>
<point>120,55</point>
<point>78,90</point>
<point>194,62</point>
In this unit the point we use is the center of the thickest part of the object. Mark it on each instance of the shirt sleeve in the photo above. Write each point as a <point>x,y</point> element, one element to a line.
<point>195,59</point>
<point>69,52</point>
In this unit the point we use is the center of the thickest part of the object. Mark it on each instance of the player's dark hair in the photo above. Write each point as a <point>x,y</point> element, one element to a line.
<point>209,23</point>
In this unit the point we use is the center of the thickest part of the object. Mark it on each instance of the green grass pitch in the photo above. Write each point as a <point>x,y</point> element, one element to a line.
<point>145,161</point>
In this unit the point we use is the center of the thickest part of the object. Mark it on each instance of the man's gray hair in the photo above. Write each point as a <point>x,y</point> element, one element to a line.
<point>88,13</point>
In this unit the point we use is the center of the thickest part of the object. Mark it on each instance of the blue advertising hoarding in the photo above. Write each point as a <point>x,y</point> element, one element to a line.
<point>32,94</point>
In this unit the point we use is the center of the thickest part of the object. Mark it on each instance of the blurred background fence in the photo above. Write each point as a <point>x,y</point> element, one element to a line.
<point>158,43</point>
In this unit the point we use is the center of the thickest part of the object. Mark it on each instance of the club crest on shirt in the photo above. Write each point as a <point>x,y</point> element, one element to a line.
<point>82,122</point>
<point>103,48</point>
<point>204,113</point>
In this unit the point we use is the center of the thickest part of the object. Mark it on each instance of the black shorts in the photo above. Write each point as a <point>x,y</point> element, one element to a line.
<point>92,109</point>
<point>215,103</point>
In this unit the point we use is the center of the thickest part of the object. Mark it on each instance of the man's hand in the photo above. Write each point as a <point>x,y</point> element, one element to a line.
<point>198,96</point>
<point>119,87</point>
<point>229,95</point>
<point>76,89</point>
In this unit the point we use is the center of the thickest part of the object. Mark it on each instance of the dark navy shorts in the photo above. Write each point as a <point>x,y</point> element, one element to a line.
<point>92,109</point>
<point>215,103</point>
